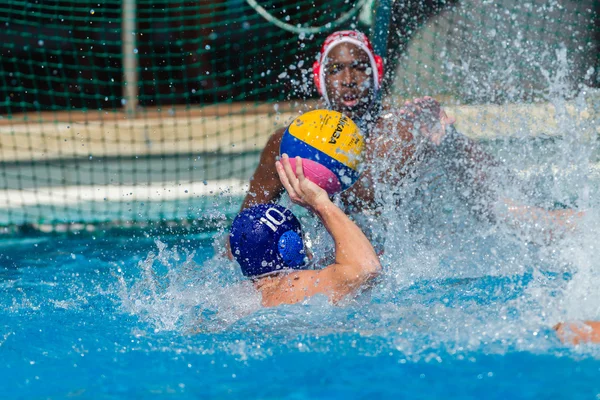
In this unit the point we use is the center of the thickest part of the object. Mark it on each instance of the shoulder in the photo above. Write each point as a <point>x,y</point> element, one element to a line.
<point>307,281</point>
<point>288,288</point>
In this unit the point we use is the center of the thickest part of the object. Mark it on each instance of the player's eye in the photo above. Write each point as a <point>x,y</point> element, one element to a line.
<point>360,65</point>
<point>334,68</point>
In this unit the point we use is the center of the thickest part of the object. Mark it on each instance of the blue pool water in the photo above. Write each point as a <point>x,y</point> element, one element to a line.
<point>109,317</point>
<point>464,307</point>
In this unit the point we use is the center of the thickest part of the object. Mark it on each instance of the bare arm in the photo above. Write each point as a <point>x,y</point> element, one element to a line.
<point>265,185</point>
<point>464,161</point>
<point>479,175</point>
<point>355,260</point>
<point>580,332</point>
<point>391,142</point>
<point>537,224</point>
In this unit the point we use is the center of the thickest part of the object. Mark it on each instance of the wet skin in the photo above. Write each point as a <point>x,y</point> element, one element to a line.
<point>349,85</point>
<point>579,332</point>
<point>349,80</point>
<point>392,136</point>
<point>356,263</point>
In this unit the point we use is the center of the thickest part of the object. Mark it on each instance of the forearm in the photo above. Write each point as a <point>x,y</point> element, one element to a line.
<point>473,171</point>
<point>262,191</point>
<point>351,245</point>
<point>579,332</point>
<point>538,223</point>
<point>265,185</point>
<point>464,157</point>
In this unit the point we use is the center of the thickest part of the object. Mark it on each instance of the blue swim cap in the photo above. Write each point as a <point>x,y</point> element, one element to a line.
<point>265,239</point>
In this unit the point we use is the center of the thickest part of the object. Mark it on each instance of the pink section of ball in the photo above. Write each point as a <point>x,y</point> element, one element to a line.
<point>320,175</point>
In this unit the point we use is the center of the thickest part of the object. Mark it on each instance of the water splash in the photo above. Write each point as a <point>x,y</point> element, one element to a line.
<point>454,281</point>
<point>581,297</point>
<point>174,293</point>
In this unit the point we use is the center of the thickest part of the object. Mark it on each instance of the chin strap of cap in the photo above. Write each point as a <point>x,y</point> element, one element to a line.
<point>356,38</point>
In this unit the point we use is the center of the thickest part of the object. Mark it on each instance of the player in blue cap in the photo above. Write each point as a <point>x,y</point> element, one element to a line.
<point>266,240</point>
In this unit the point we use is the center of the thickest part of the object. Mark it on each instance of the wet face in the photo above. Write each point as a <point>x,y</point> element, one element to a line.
<point>349,79</point>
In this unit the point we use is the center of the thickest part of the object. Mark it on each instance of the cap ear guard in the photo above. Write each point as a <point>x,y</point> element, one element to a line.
<point>379,64</point>
<point>317,76</point>
<point>291,248</point>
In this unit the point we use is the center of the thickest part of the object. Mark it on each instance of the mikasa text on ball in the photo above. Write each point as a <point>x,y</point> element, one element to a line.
<point>330,145</point>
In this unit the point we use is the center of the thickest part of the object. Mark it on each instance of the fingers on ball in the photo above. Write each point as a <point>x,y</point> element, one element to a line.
<point>299,168</point>
<point>282,169</point>
<point>288,167</point>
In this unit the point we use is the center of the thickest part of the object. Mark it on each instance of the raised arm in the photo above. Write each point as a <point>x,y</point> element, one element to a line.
<point>355,260</point>
<point>265,185</point>
<point>478,176</point>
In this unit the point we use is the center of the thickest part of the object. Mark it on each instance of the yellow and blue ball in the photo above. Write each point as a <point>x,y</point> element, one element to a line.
<point>331,147</point>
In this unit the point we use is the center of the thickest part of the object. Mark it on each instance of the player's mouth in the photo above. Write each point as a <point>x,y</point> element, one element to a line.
<point>349,101</point>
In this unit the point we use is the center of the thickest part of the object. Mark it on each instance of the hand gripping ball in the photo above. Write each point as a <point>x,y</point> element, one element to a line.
<point>330,145</point>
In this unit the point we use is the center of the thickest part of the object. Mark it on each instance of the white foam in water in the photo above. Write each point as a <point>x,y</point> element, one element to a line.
<point>174,293</point>
<point>581,298</point>
<point>451,281</point>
